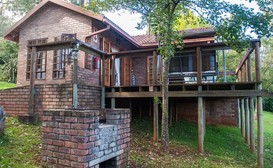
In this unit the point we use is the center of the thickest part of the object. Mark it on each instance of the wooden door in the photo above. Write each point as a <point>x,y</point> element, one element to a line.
<point>126,71</point>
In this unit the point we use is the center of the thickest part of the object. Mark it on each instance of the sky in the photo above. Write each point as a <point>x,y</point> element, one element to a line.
<point>128,21</point>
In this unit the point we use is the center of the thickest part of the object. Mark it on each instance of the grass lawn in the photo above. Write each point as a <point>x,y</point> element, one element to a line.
<point>20,147</point>
<point>6,85</point>
<point>224,146</point>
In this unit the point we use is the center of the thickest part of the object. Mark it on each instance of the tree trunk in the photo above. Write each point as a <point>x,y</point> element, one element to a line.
<point>165,104</point>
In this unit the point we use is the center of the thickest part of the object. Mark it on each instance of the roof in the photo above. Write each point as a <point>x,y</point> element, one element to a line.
<point>13,32</point>
<point>190,35</point>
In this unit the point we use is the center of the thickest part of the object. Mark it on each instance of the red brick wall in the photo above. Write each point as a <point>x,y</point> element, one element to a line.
<point>49,22</point>
<point>74,138</point>
<point>15,101</point>
<point>222,111</point>
<point>139,66</point>
<point>217,111</point>
<point>88,77</point>
<point>53,96</point>
<point>89,97</point>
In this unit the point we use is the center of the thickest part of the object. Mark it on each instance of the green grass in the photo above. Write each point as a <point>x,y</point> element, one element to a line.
<point>268,138</point>
<point>20,146</point>
<point>224,146</point>
<point>6,85</point>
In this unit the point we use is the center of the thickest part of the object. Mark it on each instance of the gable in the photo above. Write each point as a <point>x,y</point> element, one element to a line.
<point>13,33</point>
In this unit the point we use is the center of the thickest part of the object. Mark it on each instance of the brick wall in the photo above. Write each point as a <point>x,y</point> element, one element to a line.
<point>52,96</point>
<point>49,22</point>
<point>139,67</point>
<point>74,138</point>
<point>88,77</point>
<point>217,111</point>
<point>222,111</point>
<point>89,97</point>
<point>15,101</point>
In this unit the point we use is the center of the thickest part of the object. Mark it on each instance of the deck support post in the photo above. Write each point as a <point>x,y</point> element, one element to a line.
<point>239,113</point>
<point>199,65</point>
<point>251,113</point>
<point>113,100</point>
<point>200,123</point>
<point>75,53</point>
<point>155,130</point>
<point>103,82</point>
<point>243,117</point>
<point>224,65</point>
<point>171,114</point>
<point>31,104</point>
<point>259,107</point>
<point>113,75</point>
<point>247,132</point>
<point>260,132</point>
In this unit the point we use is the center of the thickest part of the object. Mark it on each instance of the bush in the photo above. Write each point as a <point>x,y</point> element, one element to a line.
<point>268,104</point>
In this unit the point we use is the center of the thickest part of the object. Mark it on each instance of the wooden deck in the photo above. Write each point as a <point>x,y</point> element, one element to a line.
<point>227,90</point>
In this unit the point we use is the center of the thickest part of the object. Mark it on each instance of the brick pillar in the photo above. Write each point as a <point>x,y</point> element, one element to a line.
<point>121,118</point>
<point>68,137</point>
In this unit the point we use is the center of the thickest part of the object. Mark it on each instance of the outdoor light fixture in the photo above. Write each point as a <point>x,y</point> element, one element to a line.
<point>75,51</point>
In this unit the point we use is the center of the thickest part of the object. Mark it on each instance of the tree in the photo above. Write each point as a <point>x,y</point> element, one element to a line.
<point>231,21</point>
<point>189,20</point>
<point>8,61</point>
<point>10,9</point>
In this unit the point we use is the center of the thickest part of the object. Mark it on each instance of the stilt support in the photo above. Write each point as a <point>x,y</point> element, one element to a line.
<point>260,133</point>
<point>247,132</point>
<point>200,124</point>
<point>155,137</point>
<point>251,114</point>
<point>239,113</point>
<point>113,100</point>
<point>243,117</point>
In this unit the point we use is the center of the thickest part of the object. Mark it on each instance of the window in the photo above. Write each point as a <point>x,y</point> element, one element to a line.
<point>41,65</point>
<point>181,63</point>
<point>212,61</point>
<point>59,62</point>
<point>40,72</point>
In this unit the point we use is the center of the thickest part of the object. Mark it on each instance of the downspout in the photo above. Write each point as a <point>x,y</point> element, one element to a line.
<point>97,32</point>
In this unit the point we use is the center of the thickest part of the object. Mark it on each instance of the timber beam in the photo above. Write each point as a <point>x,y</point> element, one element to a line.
<point>227,94</point>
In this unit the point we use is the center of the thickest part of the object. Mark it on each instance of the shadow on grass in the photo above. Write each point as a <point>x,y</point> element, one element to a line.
<point>223,145</point>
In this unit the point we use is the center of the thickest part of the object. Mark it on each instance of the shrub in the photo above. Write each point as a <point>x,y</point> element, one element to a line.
<point>268,104</point>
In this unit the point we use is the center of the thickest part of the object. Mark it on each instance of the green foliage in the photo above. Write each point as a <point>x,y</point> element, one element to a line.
<point>20,7</point>
<point>5,85</point>
<point>20,146</point>
<point>230,78</point>
<point>267,64</point>
<point>8,61</point>
<point>268,104</point>
<point>190,21</point>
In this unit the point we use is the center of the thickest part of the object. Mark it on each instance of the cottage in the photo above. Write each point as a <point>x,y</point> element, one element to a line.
<point>72,58</point>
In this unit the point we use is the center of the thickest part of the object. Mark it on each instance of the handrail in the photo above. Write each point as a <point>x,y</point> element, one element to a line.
<point>243,60</point>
